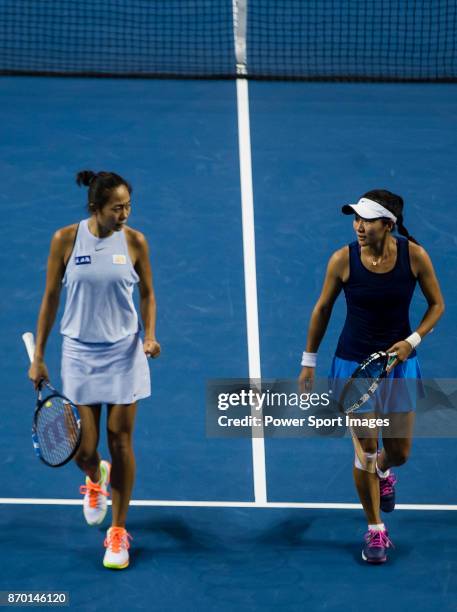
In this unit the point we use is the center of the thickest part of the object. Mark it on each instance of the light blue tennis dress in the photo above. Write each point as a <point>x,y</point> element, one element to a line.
<point>102,353</point>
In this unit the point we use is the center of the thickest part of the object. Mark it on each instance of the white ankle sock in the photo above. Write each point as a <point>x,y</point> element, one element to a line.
<point>382,474</point>
<point>377,527</point>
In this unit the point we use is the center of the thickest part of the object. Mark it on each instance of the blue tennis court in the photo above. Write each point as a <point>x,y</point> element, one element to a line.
<point>206,535</point>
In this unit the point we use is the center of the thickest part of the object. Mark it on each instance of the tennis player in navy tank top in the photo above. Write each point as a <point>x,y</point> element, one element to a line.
<point>99,261</point>
<point>378,273</point>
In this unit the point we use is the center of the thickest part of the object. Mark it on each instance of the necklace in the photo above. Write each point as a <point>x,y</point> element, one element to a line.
<point>375,262</point>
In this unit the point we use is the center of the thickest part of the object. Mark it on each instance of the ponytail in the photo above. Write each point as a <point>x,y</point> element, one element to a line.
<point>402,229</point>
<point>85,177</point>
<point>395,204</point>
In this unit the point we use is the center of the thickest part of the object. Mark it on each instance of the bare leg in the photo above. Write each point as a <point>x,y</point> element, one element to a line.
<point>87,457</point>
<point>367,486</point>
<point>121,419</point>
<point>367,483</point>
<point>396,450</point>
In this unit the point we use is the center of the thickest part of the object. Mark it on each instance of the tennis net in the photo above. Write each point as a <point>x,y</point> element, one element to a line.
<point>391,40</point>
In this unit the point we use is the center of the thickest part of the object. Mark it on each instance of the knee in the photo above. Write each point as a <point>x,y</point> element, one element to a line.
<point>86,455</point>
<point>120,442</point>
<point>398,457</point>
<point>369,446</point>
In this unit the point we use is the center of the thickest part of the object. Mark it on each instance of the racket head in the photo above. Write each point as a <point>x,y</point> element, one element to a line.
<point>364,381</point>
<point>56,428</point>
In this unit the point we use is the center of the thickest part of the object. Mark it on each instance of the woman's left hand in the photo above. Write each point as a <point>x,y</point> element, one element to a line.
<point>151,347</point>
<point>403,350</point>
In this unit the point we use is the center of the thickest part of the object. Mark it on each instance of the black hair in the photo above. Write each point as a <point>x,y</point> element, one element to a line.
<point>395,204</point>
<point>100,186</point>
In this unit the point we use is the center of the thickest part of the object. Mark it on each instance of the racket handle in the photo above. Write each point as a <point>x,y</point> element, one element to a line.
<point>392,359</point>
<point>29,344</point>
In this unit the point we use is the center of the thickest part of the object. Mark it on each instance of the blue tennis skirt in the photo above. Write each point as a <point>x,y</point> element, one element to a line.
<point>399,392</point>
<point>105,373</point>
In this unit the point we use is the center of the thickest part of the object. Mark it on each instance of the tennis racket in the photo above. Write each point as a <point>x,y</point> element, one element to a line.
<point>362,385</point>
<point>56,428</point>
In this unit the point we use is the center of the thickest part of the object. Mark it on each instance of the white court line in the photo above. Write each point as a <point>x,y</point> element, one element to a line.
<point>223,504</point>
<point>250,275</point>
<point>239,8</point>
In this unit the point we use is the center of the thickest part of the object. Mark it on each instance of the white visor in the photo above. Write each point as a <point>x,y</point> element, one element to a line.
<point>368,209</point>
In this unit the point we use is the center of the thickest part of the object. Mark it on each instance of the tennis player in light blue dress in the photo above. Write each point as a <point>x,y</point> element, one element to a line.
<point>100,261</point>
<point>378,274</point>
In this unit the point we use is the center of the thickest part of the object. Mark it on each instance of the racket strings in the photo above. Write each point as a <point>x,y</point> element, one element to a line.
<point>363,384</point>
<point>57,429</point>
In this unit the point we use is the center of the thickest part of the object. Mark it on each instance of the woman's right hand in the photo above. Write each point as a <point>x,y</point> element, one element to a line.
<point>38,372</point>
<point>306,379</point>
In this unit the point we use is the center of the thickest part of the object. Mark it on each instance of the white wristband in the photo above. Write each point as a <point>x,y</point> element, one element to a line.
<point>414,339</point>
<point>309,359</point>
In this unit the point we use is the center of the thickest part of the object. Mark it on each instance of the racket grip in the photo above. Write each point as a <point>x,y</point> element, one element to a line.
<point>29,342</point>
<point>392,358</point>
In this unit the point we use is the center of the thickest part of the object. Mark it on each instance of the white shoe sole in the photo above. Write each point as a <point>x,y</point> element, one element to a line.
<point>374,562</point>
<point>115,567</point>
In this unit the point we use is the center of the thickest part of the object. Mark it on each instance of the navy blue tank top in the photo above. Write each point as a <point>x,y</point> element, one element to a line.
<point>377,305</point>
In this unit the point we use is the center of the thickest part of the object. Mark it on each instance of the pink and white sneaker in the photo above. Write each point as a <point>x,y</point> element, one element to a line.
<point>387,492</point>
<point>376,545</point>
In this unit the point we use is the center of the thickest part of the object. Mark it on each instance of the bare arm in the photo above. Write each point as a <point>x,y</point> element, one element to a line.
<point>322,310</point>
<point>432,293</point>
<point>49,303</point>
<point>148,306</point>
<point>51,296</point>
<point>430,288</point>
